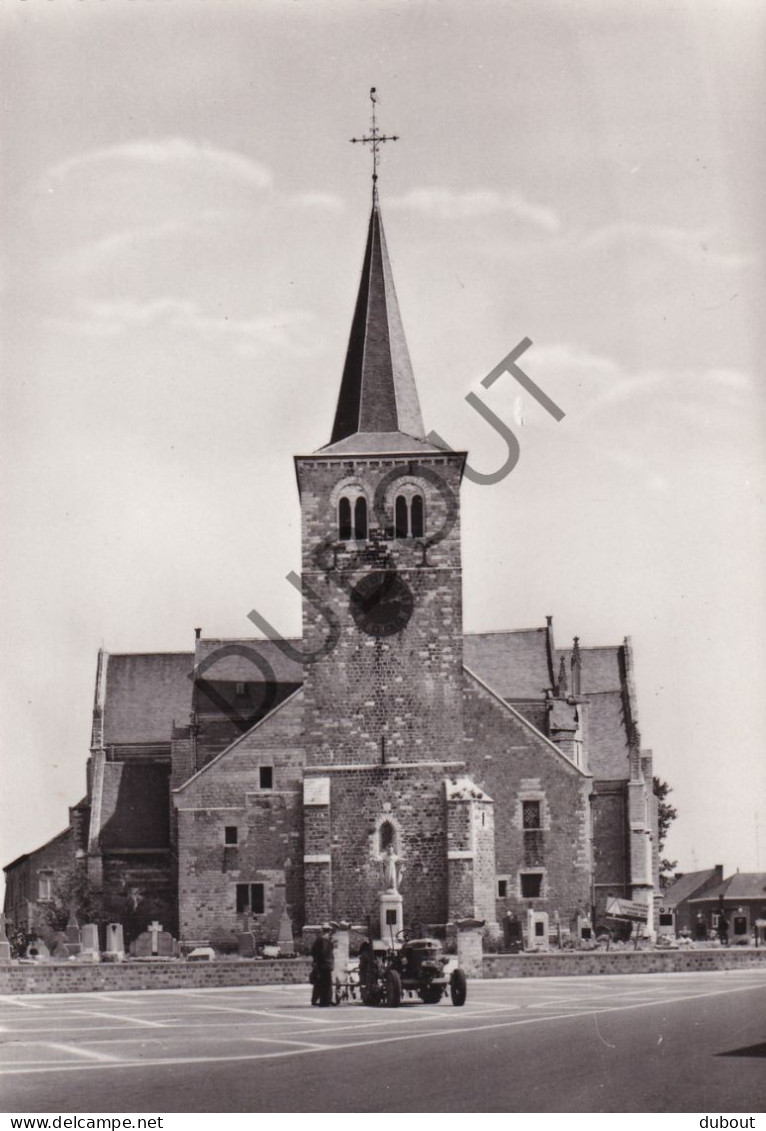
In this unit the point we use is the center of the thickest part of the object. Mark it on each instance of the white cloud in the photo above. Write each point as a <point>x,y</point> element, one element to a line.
<point>169,152</point>
<point>322,200</point>
<point>691,245</point>
<point>445,204</point>
<point>292,331</point>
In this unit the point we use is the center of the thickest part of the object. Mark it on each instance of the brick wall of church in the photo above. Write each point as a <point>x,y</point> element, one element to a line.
<point>402,687</point>
<point>611,871</point>
<point>413,800</point>
<point>268,823</point>
<point>512,764</point>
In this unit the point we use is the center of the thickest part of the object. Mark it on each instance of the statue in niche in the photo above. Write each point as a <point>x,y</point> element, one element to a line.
<point>393,869</point>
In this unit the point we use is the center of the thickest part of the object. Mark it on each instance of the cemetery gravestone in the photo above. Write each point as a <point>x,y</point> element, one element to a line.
<point>246,944</point>
<point>91,949</point>
<point>115,942</point>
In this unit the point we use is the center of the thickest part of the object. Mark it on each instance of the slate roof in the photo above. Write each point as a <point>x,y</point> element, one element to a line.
<point>605,735</point>
<point>685,886</point>
<point>600,668</point>
<point>247,661</point>
<point>514,664</point>
<point>377,392</point>
<point>379,443</point>
<point>742,885</point>
<point>135,800</point>
<point>145,693</point>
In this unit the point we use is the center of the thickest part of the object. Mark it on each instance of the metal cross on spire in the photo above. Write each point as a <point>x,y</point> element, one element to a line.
<point>374,139</point>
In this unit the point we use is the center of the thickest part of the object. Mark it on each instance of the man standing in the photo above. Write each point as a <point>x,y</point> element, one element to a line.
<point>321,971</point>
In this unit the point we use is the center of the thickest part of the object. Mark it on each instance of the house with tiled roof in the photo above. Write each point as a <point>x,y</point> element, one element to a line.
<point>741,899</point>
<point>249,780</point>
<point>676,914</point>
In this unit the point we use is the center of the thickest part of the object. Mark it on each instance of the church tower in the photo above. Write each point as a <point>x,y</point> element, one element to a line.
<point>382,637</point>
<point>382,622</point>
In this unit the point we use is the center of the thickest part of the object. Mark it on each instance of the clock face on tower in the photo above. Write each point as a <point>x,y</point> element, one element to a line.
<point>381,603</point>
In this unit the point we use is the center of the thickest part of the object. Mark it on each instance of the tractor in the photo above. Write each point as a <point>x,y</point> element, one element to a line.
<point>412,966</point>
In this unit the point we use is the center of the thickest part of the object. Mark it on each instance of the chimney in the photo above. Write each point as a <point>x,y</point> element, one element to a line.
<point>197,633</point>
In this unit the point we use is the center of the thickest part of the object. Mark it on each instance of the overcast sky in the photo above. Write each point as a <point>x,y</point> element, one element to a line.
<point>184,221</point>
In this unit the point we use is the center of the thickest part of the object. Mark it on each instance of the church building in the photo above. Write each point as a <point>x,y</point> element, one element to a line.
<point>246,780</point>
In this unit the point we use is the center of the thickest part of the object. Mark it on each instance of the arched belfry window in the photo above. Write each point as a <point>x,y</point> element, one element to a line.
<point>417,526</point>
<point>344,520</point>
<point>401,517</point>
<point>360,519</point>
<point>409,516</point>
<point>386,837</point>
<point>352,518</point>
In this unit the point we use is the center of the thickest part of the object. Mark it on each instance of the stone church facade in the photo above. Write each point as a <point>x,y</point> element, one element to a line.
<point>246,779</point>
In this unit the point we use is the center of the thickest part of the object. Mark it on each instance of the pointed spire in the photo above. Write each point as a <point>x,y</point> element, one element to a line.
<point>377,393</point>
<point>576,667</point>
<point>561,688</point>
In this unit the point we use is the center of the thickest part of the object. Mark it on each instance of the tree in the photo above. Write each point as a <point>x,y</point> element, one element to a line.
<point>666,814</point>
<point>73,891</point>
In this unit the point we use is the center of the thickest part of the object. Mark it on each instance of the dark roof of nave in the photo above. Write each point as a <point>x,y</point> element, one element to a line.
<point>135,800</point>
<point>249,661</point>
<point>600,667</point>
<point>377,392</point>
<point>513,663</point>
<point>145,694</point>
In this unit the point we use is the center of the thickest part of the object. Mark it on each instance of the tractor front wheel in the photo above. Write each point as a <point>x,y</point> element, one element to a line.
<point>393,988</point>
<point>458,987</point>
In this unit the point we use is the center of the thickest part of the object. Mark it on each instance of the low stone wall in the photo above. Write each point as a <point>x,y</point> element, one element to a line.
<point>568,963</point>
<point>156,974</point>
<point>161,974</point>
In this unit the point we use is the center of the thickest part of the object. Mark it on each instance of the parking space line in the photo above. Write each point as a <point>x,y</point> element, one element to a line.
<point>123,1017</point>
<point>76,1050</point>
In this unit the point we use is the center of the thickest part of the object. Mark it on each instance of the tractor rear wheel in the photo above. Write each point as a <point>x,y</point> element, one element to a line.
<point>458,987</point>
<point>393,988</point>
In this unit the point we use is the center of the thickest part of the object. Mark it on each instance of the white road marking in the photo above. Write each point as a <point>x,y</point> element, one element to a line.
<point>111,1062</point>
<point>76,1050</point>
<point>263,1013</point>
<point>122,1017</point>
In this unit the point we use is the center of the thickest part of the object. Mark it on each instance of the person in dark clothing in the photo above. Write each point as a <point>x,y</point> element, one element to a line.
<point>321,971</point>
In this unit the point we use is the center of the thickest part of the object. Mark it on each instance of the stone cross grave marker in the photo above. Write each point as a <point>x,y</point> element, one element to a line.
<point>155,929</point>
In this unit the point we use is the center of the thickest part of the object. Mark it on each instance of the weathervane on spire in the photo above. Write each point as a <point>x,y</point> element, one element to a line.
<point>374,139</point>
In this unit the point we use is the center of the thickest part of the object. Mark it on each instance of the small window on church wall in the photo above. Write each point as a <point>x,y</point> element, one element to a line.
<point>250,898</point>
<point>266,777</point>
<point>531,885</point>
<point>360,520</point>
<point>231,834</point>
<point>45,885</point>
<point>530,811</point>
<point>418,526</point>
<point>386,837</point>
<point>401,517</point>
<point>502,889</point>
<point>344,520</point>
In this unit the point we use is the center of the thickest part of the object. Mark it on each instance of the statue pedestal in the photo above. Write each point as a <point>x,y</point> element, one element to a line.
<point>391,915</point>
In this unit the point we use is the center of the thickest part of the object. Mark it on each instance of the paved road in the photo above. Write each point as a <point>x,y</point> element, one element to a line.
<point>679,1042</point>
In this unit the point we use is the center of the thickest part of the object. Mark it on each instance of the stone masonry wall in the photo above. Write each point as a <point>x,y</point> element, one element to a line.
<point>269,840</point>
<point>512,763</point>
<point>410,798</point>
<point>610,842</point>
<point>402,688</point>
